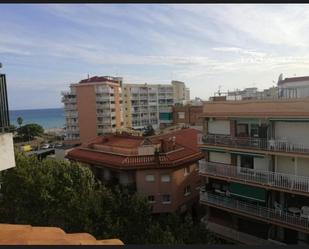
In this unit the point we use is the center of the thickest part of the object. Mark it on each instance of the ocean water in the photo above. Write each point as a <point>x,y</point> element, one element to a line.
<point>48,118</point>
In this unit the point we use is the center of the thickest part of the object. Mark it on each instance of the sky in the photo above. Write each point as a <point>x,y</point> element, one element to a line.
<point>46,47</point>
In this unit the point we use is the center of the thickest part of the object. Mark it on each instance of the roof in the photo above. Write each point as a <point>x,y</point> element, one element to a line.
<point>98,79</point>
<point>114,153</point>
<point>11,234</point>
<point>293,79</point>
<point>294,108</point>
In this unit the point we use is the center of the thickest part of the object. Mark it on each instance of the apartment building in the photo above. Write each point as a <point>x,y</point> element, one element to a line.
<point>293,87</point>
<point>163,168</point>
<point>151,104</point>
<point>7,158</point>
<point>93,107</point>
<point>181,92</point>
<point>188,115</point>
<point>255,170</point>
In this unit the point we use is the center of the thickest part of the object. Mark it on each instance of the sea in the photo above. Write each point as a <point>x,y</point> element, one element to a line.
<point>52,118</point>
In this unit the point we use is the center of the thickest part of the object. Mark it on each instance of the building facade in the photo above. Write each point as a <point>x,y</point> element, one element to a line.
<point>7,158</point>
<point>151,104</point>
<point>188,115</point>
<point>93,107</point>
<point>181,92</point>
<point>255,170</point>
<point>162,168</point>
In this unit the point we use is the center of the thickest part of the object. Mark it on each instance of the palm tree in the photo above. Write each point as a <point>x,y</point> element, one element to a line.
<point>20,121</point>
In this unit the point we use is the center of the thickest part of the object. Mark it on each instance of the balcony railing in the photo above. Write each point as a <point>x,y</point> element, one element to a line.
<point>266,178</point>
<point>236,235</point>
<point>253,143</point>
<point>260,212</point>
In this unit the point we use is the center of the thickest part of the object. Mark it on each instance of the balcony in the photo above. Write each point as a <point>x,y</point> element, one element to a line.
<point>264,214</point>
<point>71,114</point>
<point>234,235</point>
<point>253,143</point>
<point>280,181</point>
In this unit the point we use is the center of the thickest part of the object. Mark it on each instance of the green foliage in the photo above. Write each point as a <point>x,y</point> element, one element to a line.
<point>19,121</point>
<point>29,131</point>
<point>66,195</point>
<point>149,131</point>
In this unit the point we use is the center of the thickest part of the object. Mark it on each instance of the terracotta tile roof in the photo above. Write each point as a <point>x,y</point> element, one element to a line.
<point>185,151</point>
<point>28,235</point>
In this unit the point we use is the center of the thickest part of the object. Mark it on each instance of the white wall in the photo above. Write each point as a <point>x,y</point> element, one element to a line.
<point>261,163</point>
<point>303,167</point>
<point>220,157</point>
<point>7,157</point>
<point>285,165</point>
<point>258,163</point>
<point>219,127</point>
<point>295,132</point>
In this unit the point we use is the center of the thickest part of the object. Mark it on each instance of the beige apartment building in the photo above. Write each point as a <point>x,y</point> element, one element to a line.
<point>151,104</point>
<point>93,107</point>
<point>255,170</point>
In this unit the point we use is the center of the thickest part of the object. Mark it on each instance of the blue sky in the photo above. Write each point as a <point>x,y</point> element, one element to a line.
<point>44,48</point>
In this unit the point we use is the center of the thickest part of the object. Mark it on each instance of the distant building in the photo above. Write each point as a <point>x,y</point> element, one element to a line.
<point>162,168</point>
<point>93,107</point>
<point>188,115</point>
<point>180,91</point>
<point>294,87</point>
<point>151,104</point>
<point>7,157</point>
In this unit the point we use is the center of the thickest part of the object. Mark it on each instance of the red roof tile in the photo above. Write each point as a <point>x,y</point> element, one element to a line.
<point>186,151</point>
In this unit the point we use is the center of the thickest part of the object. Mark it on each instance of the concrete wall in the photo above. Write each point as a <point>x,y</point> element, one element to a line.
<point>302,167</point>
<point>7,157</point>
<point>87,112</point>
<point>218,157</point>
<point>295,132</point>
<point>261,163</point>
<point>219,127</point>
<point>285,165</point>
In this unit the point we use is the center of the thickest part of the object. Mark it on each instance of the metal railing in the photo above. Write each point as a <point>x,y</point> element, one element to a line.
<point>235,235</point>
<point>264,213</point>
<point>253,143</point>
<point>268,178</point>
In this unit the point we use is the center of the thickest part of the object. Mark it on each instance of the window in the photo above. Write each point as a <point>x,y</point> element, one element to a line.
<point>150,178</point>
<point>181,115</point>
<point>166,199</point>
<point>247,162</point>
<point>151,199</point>
<point>187,170</point>
<point>187,190</point>
<point>242,130</point>
<point>165,178</point>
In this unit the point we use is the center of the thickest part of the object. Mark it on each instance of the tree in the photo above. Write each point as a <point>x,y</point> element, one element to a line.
<point>30,131</point>
<point>149,131</point>
<point>66,195</point>
<point>20,121</point>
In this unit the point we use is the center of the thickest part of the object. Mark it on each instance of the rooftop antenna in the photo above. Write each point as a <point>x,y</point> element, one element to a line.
<point>219,90</point>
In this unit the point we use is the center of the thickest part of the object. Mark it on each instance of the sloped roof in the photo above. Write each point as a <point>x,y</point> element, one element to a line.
<point>11,234</point>
<point>185,151</point>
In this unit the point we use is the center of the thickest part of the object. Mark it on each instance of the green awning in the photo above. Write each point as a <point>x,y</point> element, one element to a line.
<point>248,154</point>
<point>248,192</point>
<point>290,119</point>
<point>214,150</point>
